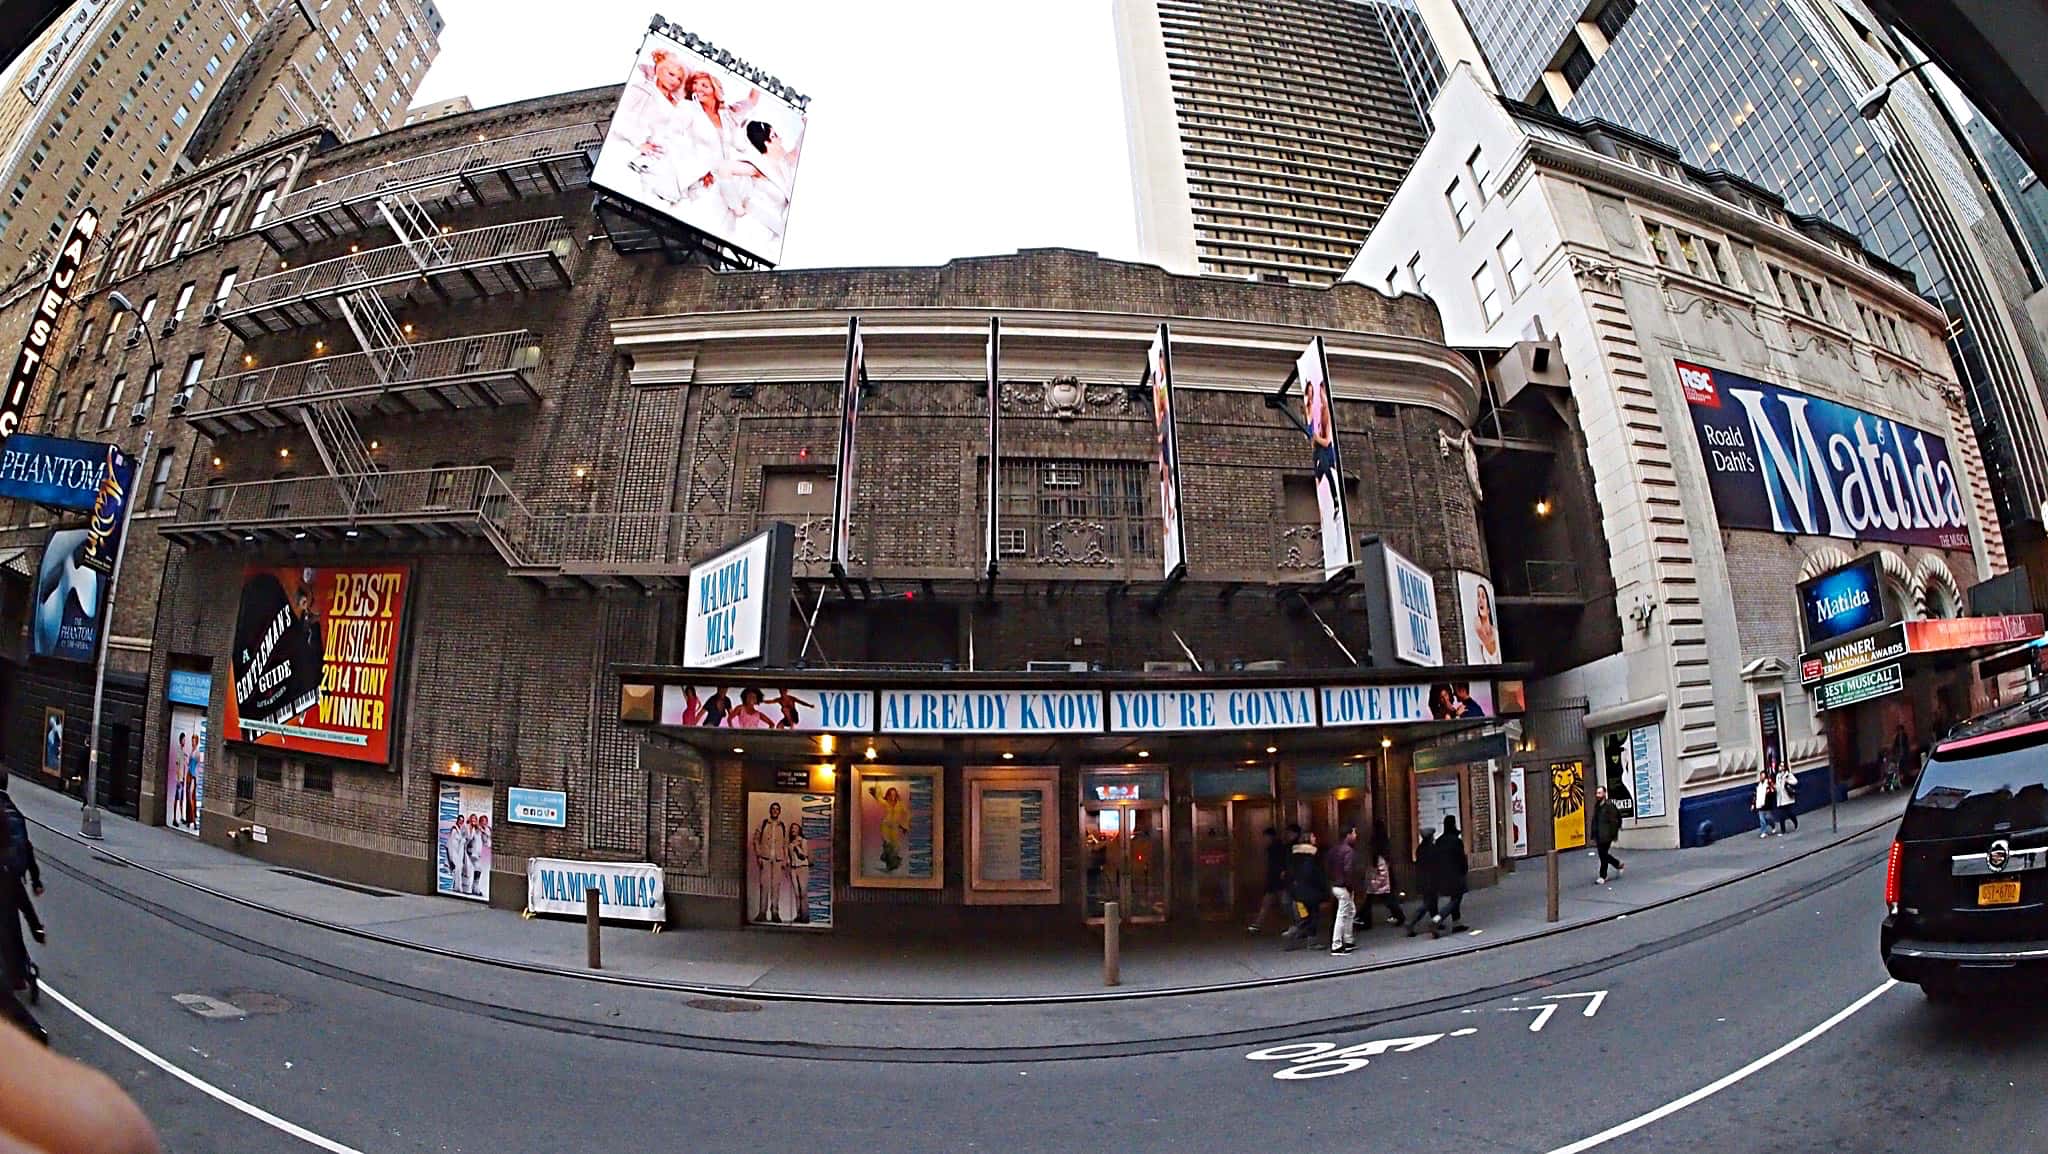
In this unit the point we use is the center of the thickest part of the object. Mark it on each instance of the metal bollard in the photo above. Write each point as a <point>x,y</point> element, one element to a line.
<point>590,928</point>
<point>1550,881</point>
<point>1112,946</point>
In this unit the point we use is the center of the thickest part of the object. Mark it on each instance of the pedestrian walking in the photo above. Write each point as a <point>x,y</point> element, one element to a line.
<point>1788,800</point>
<point>1310,889</point>
<point>1606,828</point>
<point>1426,881</point>
<point>1765,802</point>
<point>19,874</point>
<point>1343,882</point>
<point>1452,869</point>
<point>1381,887</point>
<point>1274,899</point>
<point>14,966</point>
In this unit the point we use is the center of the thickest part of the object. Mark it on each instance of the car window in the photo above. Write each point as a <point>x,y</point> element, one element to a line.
<point>1958,796</point>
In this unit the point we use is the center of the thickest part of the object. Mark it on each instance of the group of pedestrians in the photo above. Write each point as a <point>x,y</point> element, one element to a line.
<point>1301,877</point>
<point>1776,801</point>
<point>19,875</point>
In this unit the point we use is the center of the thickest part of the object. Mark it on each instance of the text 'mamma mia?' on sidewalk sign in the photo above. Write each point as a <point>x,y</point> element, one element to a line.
<point>626,891</point>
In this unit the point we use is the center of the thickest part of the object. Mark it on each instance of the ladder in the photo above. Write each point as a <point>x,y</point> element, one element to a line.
<point>341,449</point>
<point>378,334</point>
<point>415,229</point>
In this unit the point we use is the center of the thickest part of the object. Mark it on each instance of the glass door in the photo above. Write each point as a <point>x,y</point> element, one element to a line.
<point>1215,883</point>
<point>1124,859</point>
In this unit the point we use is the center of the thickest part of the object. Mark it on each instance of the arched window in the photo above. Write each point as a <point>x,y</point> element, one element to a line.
<point>153,238</point>
<point>188,227</point>
<point>441,485</point>
<point>124,247</point>
<point>1901,597</point>
<point>281,495</point>
<point>268,192</point>
<point>216,498</point>
<point>224,209</point>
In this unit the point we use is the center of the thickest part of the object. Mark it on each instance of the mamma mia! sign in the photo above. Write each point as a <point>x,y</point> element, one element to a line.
<point>1786,462</point>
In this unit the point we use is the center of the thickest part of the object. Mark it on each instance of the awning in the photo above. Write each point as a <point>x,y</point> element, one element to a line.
<point>1627,711</point>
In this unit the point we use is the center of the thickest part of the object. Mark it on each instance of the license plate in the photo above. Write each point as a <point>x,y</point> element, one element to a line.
<point>1998,893</point>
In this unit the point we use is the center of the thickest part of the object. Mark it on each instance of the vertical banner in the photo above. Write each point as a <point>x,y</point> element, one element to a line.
<point>53,742</point>
<point>68,595</point>
<point>185,770</point>
<point>43,322</point>
<point>896,840</point>
<point>992,533</point>
<point>1518,812</point>
<point>1646,765</point>
<point>1481,623</point>
<point>1567,804</point>
<point>1319,416</point>
<point>462,865</point>
<point>849,424</point>
<point>110,510</point>
<point>1159,375</point>
<point>789,860</point>
<point>1770,719</point>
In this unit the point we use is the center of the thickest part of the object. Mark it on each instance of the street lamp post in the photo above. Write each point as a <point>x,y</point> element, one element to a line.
<point>89,820</point>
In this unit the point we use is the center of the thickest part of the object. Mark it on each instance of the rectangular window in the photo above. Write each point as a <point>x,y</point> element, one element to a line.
<point>1660,244</point>
<point>212,65</point>
<point>227,285</point>
<point>147,401</point>
<point>1577,67</point>
<point>84,406</point>
<point>270,769</point>
<point>1487,289</point>
<point>193,368</point>
<point>1612,17</point>
<point>197,90</point>
<point>1481,173</point>
<point>1717,261</point>
<point>56,413</point>
<point>184,300</point>
<point>113,401</point>
<point>160,481</point>
<point>316,778</point>
<point>1517,269</point>
<point>1690,253</point>
<point>1461,205</point>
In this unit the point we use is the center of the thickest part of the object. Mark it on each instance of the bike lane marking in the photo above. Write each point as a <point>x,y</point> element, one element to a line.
<point>1722,1083</point>
<point>199,1084</point>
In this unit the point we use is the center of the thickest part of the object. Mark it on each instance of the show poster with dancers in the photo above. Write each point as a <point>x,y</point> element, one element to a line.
<point>789,860</point>
<point>896,836</point>
<point>1166,452</point>
<point>802,709</point>
<point>462,837</point>
<point>185,771</point>
<point>1319,414</point>
<point>703,145</point>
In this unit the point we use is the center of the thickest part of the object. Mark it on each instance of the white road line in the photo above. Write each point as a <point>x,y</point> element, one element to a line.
<point>207,1088</point>
<point>1722,1083</point>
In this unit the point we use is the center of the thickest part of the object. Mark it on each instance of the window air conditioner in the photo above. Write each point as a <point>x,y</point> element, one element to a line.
<point>180,401</point>
<point>1056,667</point>
<point>139,413</point>
<point>1255,666</point>
<point>211,314</point>
<point>170,326</point>
<point>1168,667</point>
<point>134,338</point>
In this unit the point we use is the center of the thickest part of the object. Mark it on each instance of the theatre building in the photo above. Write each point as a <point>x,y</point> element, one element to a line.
<point>1776,454</point>
<point>491,536</point>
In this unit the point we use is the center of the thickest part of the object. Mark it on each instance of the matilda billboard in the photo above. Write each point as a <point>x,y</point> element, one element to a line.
<point>1787,462</point>
<point>316,660</point>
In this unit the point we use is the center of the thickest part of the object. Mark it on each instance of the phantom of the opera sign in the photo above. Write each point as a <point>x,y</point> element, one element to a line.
<point>316,660</point>
<point>1787,462</point>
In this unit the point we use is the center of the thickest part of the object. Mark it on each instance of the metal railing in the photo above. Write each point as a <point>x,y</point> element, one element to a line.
<point>1540,579</point>
<point>431,360</point>
<point>461,492</point>
<point>396,262</point>
<point>433,167</point>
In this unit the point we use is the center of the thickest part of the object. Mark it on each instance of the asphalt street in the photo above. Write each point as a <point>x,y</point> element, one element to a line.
<point>348,1051</point>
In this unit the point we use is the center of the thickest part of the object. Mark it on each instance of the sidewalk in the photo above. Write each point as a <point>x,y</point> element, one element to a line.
<point>759,962</point>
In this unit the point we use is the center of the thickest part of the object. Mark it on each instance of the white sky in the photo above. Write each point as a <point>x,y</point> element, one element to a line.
<point>938,128</point>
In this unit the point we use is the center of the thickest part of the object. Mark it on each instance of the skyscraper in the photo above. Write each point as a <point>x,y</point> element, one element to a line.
<point>1769,92</point>
<point>1268,135</point>
<point>116,95</point>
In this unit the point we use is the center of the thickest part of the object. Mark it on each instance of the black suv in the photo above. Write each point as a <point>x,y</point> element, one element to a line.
<point>1967,882</point>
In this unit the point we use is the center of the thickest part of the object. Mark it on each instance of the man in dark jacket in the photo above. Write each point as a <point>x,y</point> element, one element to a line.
<point>1343,881</point>
<point>1426,881</point>
<point>1450,873</point>
<point>19,873</point>
<point>14,973</point>
<point>1606,827</point>
<point>1310,890</point>
<point>1275,895</point>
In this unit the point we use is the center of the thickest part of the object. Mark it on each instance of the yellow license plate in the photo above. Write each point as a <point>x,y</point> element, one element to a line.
<point>1998,893</point>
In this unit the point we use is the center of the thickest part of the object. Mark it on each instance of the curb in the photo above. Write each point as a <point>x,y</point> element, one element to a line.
<point>714,990</point>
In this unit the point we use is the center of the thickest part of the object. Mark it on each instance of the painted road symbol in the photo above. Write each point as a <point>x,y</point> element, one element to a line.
<point>1326,1059</point>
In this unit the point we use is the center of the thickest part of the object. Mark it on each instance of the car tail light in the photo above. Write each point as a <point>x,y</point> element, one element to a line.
<point>1891,876</point>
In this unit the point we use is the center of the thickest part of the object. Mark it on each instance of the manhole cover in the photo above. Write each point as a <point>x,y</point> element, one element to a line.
<point>723,1006</point>
<point>258,1002</point>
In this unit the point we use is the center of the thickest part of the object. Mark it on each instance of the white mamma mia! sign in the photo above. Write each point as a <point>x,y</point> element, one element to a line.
<point>1412,593</point>
<point>727,607</point>
<point>626,891</point>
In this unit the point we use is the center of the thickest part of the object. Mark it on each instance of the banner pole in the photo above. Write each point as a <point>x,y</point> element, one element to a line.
<point>89,820</point>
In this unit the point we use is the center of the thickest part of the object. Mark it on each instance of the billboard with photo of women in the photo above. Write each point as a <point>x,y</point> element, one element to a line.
<point>1166,452</point>
<point>1319,417</point>
<point>700,142</point>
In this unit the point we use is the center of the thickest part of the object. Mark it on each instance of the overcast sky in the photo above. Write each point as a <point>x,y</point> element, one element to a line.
<point>938,128</point>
